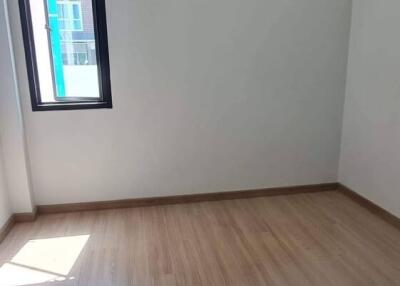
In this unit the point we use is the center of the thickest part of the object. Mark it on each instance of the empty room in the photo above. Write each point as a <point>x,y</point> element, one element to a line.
<point>199,143</point>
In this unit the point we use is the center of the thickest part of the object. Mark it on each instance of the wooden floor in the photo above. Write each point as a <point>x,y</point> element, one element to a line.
<point>308,239</point>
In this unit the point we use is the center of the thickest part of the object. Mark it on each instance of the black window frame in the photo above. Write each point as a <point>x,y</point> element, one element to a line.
<point>103,63</point>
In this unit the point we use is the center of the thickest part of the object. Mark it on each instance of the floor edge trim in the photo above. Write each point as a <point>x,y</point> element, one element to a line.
<point>371,206</point>
<point>181,199</point>
<point>6,228</point>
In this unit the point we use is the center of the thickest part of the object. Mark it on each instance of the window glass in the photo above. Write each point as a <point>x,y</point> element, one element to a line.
<point>77,11</point>
<point>71,49</point>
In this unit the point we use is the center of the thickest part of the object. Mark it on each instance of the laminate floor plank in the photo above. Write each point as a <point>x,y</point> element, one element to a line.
<point>307,239</point>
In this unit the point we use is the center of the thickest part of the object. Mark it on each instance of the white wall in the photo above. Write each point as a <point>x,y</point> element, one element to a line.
<point>5,210</point>
<point>12,127</point>
<point>370,157</point>
<point>209,95</point>
<point>5,205</point>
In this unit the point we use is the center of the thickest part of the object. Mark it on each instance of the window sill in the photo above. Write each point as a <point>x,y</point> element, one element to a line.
<point>71,106</point>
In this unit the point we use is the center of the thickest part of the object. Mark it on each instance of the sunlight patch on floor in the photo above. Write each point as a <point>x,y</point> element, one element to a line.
<point>43,260</point>
<point>14,275</point>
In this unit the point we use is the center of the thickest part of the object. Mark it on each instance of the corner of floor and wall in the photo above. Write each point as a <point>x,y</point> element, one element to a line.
<point>291,104</point>
<point>370,154</point>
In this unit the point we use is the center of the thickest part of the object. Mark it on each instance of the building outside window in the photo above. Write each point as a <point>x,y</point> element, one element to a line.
<point>76,31</point>
<point>69,15</point>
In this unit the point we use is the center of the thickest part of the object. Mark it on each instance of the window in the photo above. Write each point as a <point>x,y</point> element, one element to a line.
<point>69,15</point>
<point>66,52</point>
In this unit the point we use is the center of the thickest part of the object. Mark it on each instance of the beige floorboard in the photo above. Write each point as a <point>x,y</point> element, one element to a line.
<point>307,239</point>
